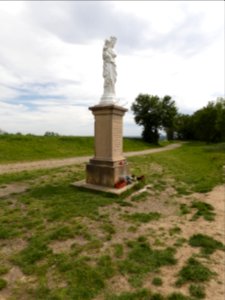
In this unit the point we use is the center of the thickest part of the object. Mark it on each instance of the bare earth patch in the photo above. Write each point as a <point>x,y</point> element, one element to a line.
<point>13,188</point>
<point>65,246</point>
<point>14,279</point>
<point>7,247</point>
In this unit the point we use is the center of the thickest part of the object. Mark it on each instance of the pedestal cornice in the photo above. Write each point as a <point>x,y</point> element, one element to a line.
<point>108,109</point>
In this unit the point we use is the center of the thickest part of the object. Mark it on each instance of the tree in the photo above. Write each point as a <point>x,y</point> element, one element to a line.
<point>51,133</point>
<point>169,111</point>
<point>153,114</point>
<point>220,120</point>
<point>206,124</point>
<point>184,127</point>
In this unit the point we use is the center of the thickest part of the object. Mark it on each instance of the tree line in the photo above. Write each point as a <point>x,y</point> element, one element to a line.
<point>155,114</point>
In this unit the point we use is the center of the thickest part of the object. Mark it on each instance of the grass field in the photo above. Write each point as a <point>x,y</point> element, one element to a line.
<point>14,148</point>
<point>161,243</point>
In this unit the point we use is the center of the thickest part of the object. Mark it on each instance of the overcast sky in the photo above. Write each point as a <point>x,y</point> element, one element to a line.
<point>51,59</point>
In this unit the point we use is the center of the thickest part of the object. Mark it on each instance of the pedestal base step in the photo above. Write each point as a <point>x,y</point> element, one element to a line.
<point>89,186</point>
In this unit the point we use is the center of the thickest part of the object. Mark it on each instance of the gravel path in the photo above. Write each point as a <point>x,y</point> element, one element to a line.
<point>55,163</point>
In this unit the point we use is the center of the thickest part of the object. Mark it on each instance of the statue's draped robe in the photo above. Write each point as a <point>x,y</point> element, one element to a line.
<point>109,71</point>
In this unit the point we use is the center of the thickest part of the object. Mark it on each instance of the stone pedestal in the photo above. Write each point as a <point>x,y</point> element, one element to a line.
<point>108,164</point>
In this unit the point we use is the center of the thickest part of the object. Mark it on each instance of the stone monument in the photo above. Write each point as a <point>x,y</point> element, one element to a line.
<point>108,165</point>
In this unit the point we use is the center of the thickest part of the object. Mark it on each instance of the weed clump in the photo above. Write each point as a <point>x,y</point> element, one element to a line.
<point>3,283</point>
<point>197,291</point>
<point>174,230</point>
<point>142,294</point>
<point>157,296</point>
<point>62,233</point>
<point>207,244</point>
<point>138,295</point>
<point>35,251</point>
<point>178,296</point>
<point>179,242</point>
<point>143,217</point>
<point>194,271</point>
<point>140,197</point>
<point>8,231</point>
<point>108,228</point>
<point>142,259</point>
<point>204,210</point>
<point>84,281</point>
<point>184,209</point>
<point>182,190</point>
<point>157,281</point>
<point>159,186</point>
<point>3,270</point>
<point>118,250</point>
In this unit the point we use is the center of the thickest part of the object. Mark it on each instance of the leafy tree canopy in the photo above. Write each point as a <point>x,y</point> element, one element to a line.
<point>154,113</point>
<point>206,124</point>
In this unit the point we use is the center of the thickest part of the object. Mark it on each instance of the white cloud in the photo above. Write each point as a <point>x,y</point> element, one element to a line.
<point>51,65</point>
<point>67,119</point>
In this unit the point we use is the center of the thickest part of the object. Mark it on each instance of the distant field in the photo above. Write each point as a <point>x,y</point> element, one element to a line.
<point>15,148</point>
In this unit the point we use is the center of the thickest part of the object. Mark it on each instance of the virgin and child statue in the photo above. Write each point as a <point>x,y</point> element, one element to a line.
<point>109,71</point>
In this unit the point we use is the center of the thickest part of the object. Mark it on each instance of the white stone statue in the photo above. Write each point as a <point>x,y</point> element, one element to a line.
<point>109,72</point>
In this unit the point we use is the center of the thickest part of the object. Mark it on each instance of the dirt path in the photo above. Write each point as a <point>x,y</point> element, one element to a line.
<point>55,163</point>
